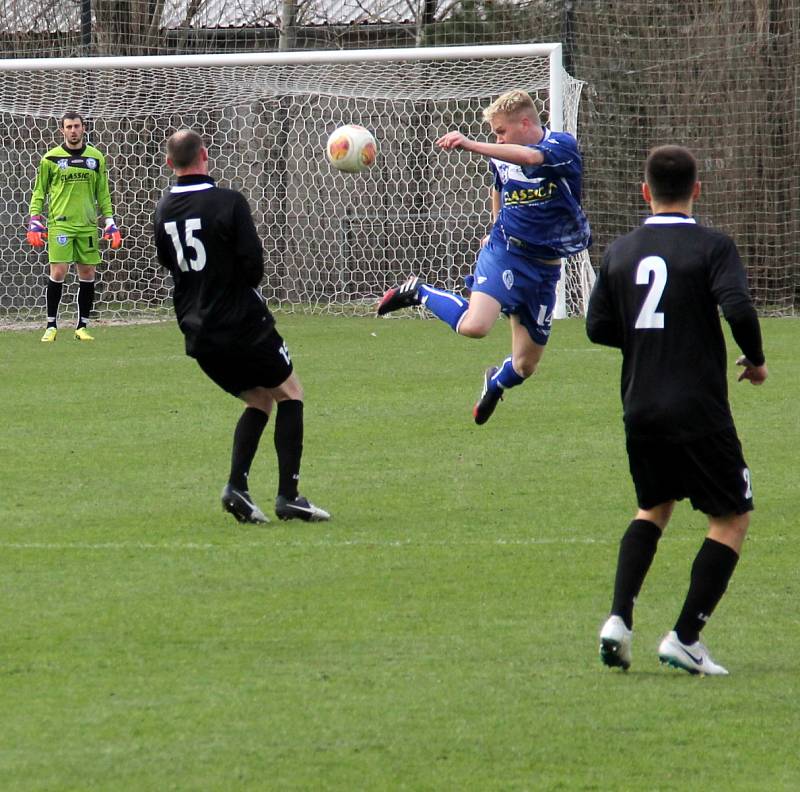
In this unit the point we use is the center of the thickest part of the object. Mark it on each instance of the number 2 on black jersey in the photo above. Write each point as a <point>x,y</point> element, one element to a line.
<point>189,227</point>
<point>649,318</point>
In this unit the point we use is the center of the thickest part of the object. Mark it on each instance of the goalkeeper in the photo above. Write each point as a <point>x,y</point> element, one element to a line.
<point>72,180</point>
<point>537,218</point>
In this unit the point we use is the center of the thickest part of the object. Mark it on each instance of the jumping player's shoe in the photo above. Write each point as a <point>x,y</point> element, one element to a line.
<point>693,658</point>
<point>299,509</point>
<point>484,407</point>
<point>49,335</point>
<point>615,643</point>
<point>241,506</point>
<point>82,334</point>
<point>404,296</point>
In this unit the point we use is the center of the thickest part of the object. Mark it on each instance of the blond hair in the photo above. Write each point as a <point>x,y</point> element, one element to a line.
<point>512,103</point>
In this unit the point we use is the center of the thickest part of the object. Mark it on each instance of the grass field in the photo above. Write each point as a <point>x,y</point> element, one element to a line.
<point>439,634</point>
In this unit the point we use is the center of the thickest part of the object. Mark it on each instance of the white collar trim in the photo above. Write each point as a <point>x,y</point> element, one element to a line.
<point>182,188</point>
<point>668,220</point>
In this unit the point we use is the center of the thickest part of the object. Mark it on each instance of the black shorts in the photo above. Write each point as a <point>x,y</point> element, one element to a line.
<point>265,365</point>
<point>710,471</point>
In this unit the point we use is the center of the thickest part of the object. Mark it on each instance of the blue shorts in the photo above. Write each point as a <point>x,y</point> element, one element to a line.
<point>521,285</point>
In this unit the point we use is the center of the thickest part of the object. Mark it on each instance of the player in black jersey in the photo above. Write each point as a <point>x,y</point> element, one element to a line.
<point>206,238</point>
<point>657,298</point>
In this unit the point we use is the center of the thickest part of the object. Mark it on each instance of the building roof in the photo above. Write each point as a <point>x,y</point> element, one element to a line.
<point>66,16</point>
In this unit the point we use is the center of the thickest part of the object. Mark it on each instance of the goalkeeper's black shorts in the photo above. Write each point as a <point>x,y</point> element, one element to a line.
<point>238,369</point>
<point>710,471</point>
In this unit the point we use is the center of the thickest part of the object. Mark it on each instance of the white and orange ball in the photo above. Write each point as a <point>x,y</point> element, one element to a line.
<point>351,148</point>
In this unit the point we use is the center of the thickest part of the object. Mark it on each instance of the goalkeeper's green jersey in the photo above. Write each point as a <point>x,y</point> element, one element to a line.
<point>74,184</point>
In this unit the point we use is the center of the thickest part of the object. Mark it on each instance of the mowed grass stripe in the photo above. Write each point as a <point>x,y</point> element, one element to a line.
<point>323,544</point>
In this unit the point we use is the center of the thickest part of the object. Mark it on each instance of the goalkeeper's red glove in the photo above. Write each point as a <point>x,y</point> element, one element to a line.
<point>37,231</point>
<point>112,234</point>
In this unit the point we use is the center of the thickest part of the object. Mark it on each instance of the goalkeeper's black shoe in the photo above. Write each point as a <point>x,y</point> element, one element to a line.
<point>241,506</point>
<point>299,508</point>
<point>404,296</point>
<point>484,407</point>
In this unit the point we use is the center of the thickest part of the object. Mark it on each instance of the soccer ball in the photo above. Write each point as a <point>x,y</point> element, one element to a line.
<point>351,148</point>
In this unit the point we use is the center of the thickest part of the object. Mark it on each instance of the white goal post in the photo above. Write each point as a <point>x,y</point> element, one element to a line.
<point>333,242</point>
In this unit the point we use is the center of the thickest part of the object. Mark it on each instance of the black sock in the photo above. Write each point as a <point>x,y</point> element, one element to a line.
<point>637,549</point>
<point>245,444</point>
<point>53,300</point>
<point>712,569</point>
<point>85,301</point>
<point>289,445</point>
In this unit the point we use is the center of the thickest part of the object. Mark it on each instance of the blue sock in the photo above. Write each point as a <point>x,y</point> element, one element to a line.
<point>443,305</point>
<point>506,377</point>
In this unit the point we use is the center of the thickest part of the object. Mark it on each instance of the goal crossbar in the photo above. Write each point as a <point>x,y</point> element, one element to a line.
<point>552,50</point>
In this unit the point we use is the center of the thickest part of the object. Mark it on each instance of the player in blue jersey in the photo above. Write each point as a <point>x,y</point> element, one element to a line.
<point>536,209</point>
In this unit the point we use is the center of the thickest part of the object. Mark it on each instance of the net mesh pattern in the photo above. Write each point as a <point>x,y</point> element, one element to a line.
<point>721,76</point>
<point>333,242</point>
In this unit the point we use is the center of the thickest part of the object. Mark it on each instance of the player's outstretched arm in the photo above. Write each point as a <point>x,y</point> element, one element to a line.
<point>507,152</point>
<point>453,140</point>
<point>756,374</point>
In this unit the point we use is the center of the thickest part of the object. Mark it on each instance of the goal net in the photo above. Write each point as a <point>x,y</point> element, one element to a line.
<point>333,242</point>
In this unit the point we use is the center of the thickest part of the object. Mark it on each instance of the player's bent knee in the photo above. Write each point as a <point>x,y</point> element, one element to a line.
<point>289,389</point>
<point>526,365</point>
<point>730,530</point>
<point>478,320</point>
<point>737,523</point>
<point>658,515</point>
<point>258,399</point>
<point>472,328</point>
<point>472,332</point>
<point>58,272</point>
